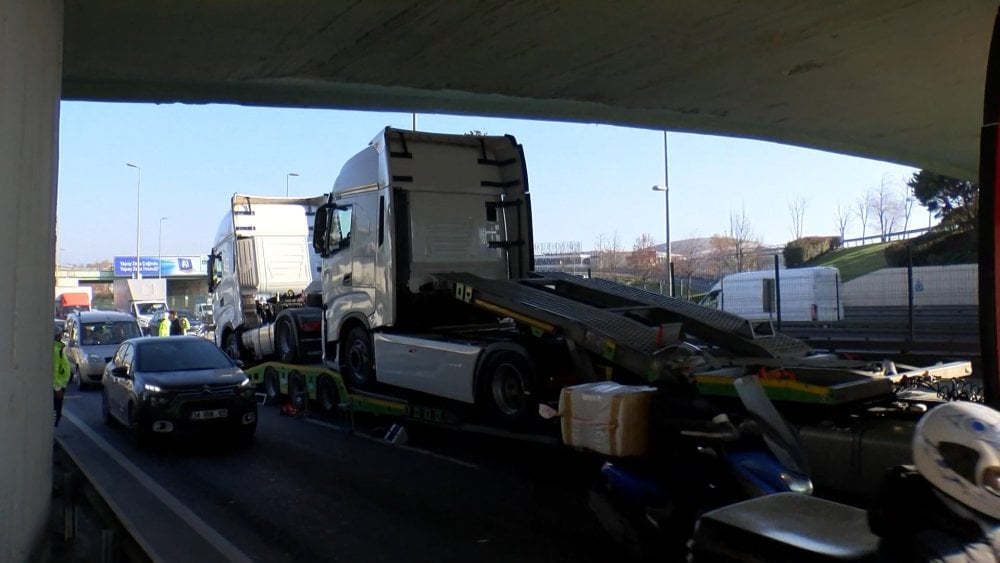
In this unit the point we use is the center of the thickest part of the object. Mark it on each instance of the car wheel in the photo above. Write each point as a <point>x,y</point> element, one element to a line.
<point>106,410</point>
<point>272,385</point>
<point>507,387</point>
<point>231,346</point>
<point>76,374</point>
<point>327,396</point>
<point>288,348</point>
<point>356,359</point>
<point>297,393</point>
<point>140,431</point>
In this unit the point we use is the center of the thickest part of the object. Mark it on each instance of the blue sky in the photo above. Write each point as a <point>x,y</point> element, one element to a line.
<point>585,179</point>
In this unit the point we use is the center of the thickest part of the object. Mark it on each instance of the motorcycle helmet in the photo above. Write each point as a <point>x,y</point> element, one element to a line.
<point>956,447</point>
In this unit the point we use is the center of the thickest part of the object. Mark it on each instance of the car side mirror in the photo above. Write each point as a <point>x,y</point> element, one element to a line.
<point>120,371</point>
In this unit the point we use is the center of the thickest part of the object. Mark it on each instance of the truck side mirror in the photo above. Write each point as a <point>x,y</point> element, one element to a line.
<point>326,235</point>
<point>212,281</point>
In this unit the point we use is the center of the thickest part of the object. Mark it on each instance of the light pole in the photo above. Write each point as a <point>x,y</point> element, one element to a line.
<point>138,188</point>
<point>287,176</point>
<point>665,188</point>
<point>159,250</point>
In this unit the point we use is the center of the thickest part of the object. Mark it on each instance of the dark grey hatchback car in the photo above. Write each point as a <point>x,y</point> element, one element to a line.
<point>177,385</point>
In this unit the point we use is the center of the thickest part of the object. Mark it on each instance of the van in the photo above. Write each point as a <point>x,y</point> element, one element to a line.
<point>807,294</point>
<point>91,339</point>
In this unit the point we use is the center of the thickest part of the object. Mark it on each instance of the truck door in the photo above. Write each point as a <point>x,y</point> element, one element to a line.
<point>348,270</point>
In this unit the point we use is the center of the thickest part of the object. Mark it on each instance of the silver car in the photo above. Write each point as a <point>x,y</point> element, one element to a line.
<point>91,339</point>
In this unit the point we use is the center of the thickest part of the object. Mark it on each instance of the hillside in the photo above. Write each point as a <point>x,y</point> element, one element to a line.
<point>937,248</point>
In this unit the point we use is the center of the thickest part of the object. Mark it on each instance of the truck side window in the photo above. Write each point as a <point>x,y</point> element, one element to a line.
<point>342,220</point>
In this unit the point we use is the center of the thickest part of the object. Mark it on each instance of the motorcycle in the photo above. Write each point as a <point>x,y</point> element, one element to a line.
<point>650,505</point>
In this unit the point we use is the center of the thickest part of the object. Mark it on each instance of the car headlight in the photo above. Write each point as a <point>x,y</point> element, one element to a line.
<point>152,388</point>
<point>796,483</point>
<point>245,383</point>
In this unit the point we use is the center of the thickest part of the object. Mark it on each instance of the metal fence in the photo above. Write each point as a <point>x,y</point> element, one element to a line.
<point>867,306</point>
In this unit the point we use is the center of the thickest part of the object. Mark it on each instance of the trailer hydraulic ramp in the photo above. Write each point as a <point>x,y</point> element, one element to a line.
<point>722,329</point>
<point>620,340</point>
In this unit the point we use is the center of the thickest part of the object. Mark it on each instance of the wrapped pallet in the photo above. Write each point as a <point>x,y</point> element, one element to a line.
<point>606,417</point>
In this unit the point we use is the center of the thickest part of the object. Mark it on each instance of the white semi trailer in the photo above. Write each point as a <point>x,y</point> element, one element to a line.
<point>262,262</point>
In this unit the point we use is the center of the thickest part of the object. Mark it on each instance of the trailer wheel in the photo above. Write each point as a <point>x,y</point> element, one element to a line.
<point>327,396</point>
<point>287,344</point>
<point>231,346</point>
<point>356,359</point>
<point>507,387</point>
<point>272,387</point>
<point>297,394</point>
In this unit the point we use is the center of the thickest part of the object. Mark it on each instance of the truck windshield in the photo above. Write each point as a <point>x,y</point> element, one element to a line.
<point>150,308</point>
<point>110,332</point>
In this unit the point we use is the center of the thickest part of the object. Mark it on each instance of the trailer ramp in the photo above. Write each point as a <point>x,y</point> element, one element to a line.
<point>612,322</point>
<point>720,328</point>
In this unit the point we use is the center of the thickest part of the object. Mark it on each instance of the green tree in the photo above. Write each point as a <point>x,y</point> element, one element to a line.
<point>950,199</point>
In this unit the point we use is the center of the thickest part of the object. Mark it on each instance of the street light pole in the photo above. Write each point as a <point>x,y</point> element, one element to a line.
<point>665,188</point>
<point>138,188</point>
<point>287,176</point>
<point>159,250</point>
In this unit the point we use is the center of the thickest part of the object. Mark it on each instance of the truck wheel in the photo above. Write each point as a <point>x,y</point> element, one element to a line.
<point>327,396</point>
<point>297,393</point>
<point>272,386</point>
<point>507,387</point>
<point>231,346</point>
<point>356,359</point>
<point>288,349</point>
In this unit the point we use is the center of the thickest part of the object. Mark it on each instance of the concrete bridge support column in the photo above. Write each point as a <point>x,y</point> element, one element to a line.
<point>30,77</point>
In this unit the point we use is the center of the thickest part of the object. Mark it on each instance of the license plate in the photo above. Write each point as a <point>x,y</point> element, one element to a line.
<point>206,415</point>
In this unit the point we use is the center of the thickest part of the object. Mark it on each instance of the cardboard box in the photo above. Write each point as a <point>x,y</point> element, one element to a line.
<point>606,417</point>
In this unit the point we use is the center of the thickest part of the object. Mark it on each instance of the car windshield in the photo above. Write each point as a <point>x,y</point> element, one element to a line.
<point>178,354</point>
<point>107,332</point>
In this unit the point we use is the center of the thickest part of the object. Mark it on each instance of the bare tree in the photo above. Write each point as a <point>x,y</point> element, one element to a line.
<point>742,235</point>
<point>797,208</point>
<point>608,249</point>
<point>908,200</point>
<point>643,258</point>
<point>843,219</point>
<point>885,207</point>
<point>862,208</point>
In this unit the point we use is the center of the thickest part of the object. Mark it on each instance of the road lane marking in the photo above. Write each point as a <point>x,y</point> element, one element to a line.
<point>199,526</point>
<point>421,451</point>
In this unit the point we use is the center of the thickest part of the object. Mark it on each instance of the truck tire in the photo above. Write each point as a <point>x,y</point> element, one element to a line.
<point>272,385</point>
<point>231,346</point>
<point>297,394</point>
<point>286,342</point>
<point>507,387</point>
<point>356,359</point>
<point>327,396</point>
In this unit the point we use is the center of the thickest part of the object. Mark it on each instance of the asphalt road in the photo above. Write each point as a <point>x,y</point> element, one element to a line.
<point>308,490</point>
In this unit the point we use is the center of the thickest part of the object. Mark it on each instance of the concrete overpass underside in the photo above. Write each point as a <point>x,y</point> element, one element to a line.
<point>900,80</point>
